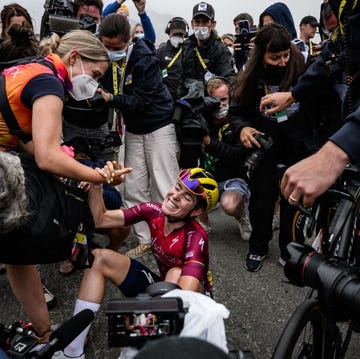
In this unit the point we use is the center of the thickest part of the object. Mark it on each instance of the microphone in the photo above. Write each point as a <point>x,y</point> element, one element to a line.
<point>65,334</point>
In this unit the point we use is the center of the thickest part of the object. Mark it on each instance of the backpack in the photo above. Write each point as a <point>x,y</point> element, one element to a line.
<point>56,207</point>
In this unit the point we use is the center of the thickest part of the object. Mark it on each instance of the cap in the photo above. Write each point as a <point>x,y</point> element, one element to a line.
<point>204,9</point>
<point>311,20</point>
<point>177,25</point>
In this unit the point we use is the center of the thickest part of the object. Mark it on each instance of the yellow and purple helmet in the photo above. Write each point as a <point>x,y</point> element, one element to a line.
<point>201,184</point>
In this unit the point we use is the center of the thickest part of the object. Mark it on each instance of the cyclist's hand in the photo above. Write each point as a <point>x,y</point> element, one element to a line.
<point>311,177</point>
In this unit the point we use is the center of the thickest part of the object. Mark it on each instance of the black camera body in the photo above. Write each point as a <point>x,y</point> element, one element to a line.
<point>59,17</point>
<point>133,321</point>
<point>244,33</point>
<point>253,160</point>
<point>190,118</point>
<point>337,282</point>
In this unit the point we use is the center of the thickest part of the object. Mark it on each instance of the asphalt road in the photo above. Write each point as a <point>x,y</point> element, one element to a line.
<point>259,303</point>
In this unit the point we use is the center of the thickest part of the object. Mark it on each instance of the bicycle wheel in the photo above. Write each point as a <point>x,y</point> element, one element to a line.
<point>303,334</point>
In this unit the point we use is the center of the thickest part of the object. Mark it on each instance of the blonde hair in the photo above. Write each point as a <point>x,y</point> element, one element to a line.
<point>13,200</point>
<point>89,46</point>
<point>49,44</point>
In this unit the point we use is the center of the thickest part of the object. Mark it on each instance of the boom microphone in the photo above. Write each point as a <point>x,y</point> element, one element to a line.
<point>65,334</point>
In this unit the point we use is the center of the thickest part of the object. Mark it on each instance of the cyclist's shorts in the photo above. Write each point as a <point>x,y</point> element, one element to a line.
<point>235,184</point>
<point>137,279</point>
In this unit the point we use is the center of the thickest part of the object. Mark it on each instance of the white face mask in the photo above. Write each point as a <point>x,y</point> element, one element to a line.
<point>176,40</point>
<point>116,55</point>
<point>83,86</point>
<point>140,35</point>
<point>202,33</point>
<point>221,112</point>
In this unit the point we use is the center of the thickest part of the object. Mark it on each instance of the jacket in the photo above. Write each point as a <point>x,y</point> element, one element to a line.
<point>146,103</point>
<point>215,55</point>
<point>171,70</point>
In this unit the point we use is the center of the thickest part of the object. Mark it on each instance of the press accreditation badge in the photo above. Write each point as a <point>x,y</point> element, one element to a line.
<point>164,73</point>
<point>281,116</point>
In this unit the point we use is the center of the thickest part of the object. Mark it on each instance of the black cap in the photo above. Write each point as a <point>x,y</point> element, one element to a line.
<point>311,20</point>
<point>204,9</point>
<point>177,25</point>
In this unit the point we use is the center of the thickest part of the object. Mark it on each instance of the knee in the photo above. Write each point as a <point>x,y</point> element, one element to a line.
<point>232,204</point>
<point>100,258</point>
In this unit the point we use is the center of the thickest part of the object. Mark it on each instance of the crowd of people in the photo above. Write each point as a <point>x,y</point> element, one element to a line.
<point>245,102</point>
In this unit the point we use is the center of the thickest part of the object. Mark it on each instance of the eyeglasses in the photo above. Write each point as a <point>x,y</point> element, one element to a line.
<point>192,185</point>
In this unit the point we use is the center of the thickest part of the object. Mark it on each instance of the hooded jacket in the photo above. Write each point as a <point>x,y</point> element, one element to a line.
<point>146,103</point>
<point>281,15</point>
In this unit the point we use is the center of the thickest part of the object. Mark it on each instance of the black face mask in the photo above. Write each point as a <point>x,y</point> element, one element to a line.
<point>274,75</point>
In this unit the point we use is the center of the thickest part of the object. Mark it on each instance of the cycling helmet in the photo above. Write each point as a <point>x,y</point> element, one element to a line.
<point>201,184</point>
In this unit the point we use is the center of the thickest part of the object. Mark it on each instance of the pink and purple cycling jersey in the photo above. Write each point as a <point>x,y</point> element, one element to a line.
<point>186,247</point>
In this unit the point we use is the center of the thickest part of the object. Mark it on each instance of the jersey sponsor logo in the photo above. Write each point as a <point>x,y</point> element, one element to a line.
<point>174,241</point>
<point>201,244</point>
<point>148,276</point>
<point>153,206</point>
<point>189,255</point>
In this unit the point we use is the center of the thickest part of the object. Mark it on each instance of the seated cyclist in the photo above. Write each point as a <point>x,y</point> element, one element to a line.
<point>178,242</point>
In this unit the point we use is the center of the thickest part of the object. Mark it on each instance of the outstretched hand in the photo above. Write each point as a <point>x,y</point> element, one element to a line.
<point>140,6</point>
<point>113,172</point>
<point>303,182</point>
<point>276,102</point>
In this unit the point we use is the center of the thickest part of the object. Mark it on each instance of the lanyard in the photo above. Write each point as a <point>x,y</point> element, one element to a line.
<point>175,58</point>
<point>341,8</point>
<point>200,59</point>
<point>115,76</point>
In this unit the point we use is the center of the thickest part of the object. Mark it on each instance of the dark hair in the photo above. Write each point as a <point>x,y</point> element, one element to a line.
<point>10,11</point>
<point>244,16</point>
<point>270,38</point>
<point>20,43</point>
<point>114,25</point>
<point>79,3</point>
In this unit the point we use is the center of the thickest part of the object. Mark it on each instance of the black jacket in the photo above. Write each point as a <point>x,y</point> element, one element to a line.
<point>229,152</point>
<point>172,78</point>
<point>215,54</point>
<point>146,103</point>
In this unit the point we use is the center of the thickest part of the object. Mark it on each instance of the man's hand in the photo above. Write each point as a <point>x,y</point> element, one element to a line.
<point>276,102</point>
<point>309,178</point>
<point>247,137</point>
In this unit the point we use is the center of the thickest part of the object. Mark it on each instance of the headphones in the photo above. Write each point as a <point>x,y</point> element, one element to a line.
<point>176,19</point>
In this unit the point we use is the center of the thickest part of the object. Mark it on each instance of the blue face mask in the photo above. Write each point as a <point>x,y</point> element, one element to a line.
<point>116,55</point>
<point>140,35</point>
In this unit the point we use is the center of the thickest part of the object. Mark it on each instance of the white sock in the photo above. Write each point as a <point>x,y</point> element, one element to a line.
<point>76,347</point>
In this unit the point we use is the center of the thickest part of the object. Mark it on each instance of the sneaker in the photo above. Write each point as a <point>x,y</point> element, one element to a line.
<point>49,297</point>
<point>60,355</point>
<point>282,262</point>
<point>66,267</point>
<point>244,228</point>
<point>275,222</point>
<point>253,262</point>
<point>2,268</point>
<point>139,251</point>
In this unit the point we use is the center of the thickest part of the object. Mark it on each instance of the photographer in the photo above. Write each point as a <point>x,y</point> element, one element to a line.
<point>245,30</point>
<point>179,244</point>
<point>274,65</point>
<point>225,156</point>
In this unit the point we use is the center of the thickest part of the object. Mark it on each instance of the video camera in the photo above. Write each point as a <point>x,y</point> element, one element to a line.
<point>59,17</point>
<point>244,33</point>
<point>148,316</point>
<point>190,118</point>
<point>338,283</point>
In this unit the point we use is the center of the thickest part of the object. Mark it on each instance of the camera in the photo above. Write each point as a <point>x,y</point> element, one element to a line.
<point>190,118</point>
<point>134,321</point>
<point>59,17</point>
<point>338,283</point>
<point>243,32</point>
<point>253,160</point>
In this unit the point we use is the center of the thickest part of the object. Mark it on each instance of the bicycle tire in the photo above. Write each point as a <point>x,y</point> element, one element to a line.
<point>307,313</point>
